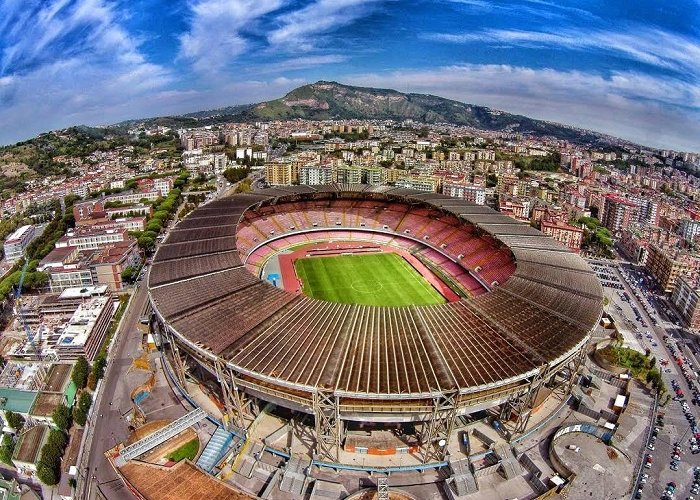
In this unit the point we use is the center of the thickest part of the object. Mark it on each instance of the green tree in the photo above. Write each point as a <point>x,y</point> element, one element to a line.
<point>129,274</point>
<point>161,215</point>
<point>81,409</point>
<point>91,382</point>
<point>244,186</point>
<point>98,367</point>
<point>14,420</point>
<point>47,474</point>
<point>49,465</point>
<point>146,244</point>
<point>7,448</point>
<point>57,439</point>
<point>80,372</point>
<point>234,175</point>
<point>61,417</point>
<point>79,416</point>
<point>85,401</point>
<point>154,225</point>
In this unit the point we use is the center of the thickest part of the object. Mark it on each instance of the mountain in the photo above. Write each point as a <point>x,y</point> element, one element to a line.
<point>318,101</point>
<point>334,101</point>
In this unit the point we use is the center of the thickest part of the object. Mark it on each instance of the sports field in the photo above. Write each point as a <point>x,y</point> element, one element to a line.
<point>380,279</point>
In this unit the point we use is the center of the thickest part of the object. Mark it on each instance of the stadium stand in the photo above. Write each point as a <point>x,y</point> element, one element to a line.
<point>525,307</point>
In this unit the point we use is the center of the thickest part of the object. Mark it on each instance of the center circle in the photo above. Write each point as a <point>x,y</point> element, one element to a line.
<point>366,286</point>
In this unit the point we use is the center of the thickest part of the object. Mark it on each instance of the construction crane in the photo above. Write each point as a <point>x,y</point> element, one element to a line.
<point>20,313</point>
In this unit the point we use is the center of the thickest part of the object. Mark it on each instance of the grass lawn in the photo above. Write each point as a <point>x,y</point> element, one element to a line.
<point>380,279</point>
<point>188,450</point>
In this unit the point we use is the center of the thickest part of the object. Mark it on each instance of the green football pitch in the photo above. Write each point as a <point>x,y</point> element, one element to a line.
<point>380,279</point>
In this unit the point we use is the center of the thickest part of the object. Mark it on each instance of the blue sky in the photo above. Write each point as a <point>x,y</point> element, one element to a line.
<point>628,68</point>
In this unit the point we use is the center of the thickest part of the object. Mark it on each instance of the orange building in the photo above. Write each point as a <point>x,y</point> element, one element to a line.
<point>569,235</point>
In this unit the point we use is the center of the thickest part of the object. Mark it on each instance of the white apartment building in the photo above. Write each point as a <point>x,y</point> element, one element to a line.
<point>91,240</point>
<point>17,242</point>
<point>315,174</point>
<point>689,229</point>
<point>473,194</point>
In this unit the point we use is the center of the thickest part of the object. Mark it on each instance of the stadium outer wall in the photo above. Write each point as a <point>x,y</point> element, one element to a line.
<point>242,393</point>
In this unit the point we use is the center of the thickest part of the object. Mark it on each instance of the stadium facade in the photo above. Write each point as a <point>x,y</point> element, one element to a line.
<point>517,333</point>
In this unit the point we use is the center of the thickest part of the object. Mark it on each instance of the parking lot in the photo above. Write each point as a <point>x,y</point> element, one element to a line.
<point>608,276</point>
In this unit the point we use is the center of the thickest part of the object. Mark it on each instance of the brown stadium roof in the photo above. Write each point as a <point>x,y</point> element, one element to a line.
<point>540,314</point>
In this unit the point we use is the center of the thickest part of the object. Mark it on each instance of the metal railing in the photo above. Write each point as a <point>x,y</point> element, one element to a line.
<point>160,436</point>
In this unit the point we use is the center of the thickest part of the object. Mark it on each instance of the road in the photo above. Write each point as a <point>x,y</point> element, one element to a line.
<point>107,421</point>
<point>676,426</point>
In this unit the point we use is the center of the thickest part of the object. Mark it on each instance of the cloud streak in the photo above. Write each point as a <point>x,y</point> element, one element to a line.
<point>649,46</point>
<point>215,37</point>
<point>300,28</point>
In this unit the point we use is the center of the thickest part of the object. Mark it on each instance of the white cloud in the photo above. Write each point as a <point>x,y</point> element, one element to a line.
<point>299,29</point>
<point>652,111</point>
<point>650,46</point>
<point>62,28</point>
<point>72,63</point>
<point>297,63</point>
<point>533,8</point>
<point>214,38</point>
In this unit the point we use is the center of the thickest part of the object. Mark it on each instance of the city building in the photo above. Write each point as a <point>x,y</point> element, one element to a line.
<point>426,183</point>
<point>66,268</point>
<point>346,174</point>
<point>86,238</point>
<point>667,264</point>
<point>28,449</point>
<point>132,198</point>
<point>316,174</point>
<point>569,235</point>
<point>471,193</point>
<point>281,174</point>
<point>689,229</point>
<point>10,489</point>
<point>108,263</point>
<point>618,212</point>
<point>18,241</point>
<point>686,299</point>
<point>69,266</point>
<point>373,175</point>
<point>86,330</point>
<point>517,208</point>
<point>648,211</point>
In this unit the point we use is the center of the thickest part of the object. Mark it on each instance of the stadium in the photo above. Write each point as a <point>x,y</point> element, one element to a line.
<point>347,305</point>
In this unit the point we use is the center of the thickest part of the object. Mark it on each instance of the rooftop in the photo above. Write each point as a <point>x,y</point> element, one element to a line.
<point>183,480</point>
<point>17,235</point>
<point>29,445</point>
<point>82,322</point>
<point>46,403</point>
<point>83,292</point>
<point>16,400</point>
<point>23,376</point>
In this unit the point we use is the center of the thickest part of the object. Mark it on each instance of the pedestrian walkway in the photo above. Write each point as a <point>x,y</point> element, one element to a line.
<point>216,449</point>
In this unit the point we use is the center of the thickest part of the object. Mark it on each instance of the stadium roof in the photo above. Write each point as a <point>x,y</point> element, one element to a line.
<point>541,314</point>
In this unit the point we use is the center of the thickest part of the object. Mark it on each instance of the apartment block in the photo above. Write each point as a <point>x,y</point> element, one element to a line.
<point>18,241</point>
